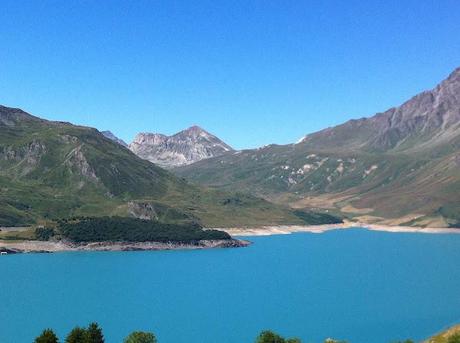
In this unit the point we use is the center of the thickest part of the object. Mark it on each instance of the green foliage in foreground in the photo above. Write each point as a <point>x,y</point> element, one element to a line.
<point>140,337</point>
<point>47,336</point>
<point>103,229</point>
<point>77,335</point>
<point>271,337</point>
<point>92,334</point>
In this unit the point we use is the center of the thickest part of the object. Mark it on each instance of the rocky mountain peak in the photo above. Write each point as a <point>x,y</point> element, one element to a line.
<point>185,147</point>
<point>114,138</point>
<point>195,132</point>
<point>194,129</point>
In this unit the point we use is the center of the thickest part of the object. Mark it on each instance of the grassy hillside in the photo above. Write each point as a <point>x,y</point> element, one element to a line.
<point>397,167</point>
<point>412,187</point>
<point>52,170</point>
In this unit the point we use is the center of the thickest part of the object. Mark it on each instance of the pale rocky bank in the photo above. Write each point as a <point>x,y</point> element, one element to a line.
<point>60,246</point>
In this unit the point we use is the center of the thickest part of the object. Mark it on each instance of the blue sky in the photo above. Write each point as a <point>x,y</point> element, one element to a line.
<point>252,72</point>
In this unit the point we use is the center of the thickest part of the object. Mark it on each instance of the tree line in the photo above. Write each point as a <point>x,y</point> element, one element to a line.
<point>93,334</point>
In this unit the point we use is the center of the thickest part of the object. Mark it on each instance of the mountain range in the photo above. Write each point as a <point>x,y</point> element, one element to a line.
<point>399,167</point>
<point>55,170</point>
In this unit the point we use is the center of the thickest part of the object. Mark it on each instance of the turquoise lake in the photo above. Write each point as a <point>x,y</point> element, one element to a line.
<point>358,285</point>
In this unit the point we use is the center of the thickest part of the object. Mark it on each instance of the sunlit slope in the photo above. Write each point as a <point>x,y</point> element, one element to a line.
<point>401,166</point>
<point>51,170</point>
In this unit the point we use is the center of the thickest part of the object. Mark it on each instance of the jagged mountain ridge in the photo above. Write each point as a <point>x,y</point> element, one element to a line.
<point>185,147</point>
<point>400,165</point>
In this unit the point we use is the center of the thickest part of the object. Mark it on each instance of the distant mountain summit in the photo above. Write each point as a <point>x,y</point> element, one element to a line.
<point>185,147</point>
<point>114,138</point>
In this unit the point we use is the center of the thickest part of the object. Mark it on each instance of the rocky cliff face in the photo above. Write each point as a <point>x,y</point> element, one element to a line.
<point>183,148</point>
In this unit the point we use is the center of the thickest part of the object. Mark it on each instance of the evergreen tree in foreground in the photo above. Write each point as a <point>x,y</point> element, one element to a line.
<point>94,334</point>
<point>47,336</point>
<point>140,337</point>
<point>77,335</point>
<point>271,337</point>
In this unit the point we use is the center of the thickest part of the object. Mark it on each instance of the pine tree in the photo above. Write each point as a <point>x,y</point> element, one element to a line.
<point>269,337</point>
<point>47,336</point>
<point>94,334</point>
<point>77,335</point>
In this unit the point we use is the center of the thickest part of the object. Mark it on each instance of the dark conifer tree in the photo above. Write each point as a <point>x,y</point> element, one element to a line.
<point>47,336</point>
<point>94,333</point>
<point>77,335</point>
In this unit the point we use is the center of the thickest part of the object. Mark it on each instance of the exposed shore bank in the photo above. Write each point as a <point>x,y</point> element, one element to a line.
<point>61,246</point>
<point>50,247</point>
<point>288,229</point>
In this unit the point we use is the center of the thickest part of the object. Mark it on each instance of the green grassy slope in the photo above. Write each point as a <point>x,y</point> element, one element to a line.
<point>392,185</point>
<point>51,170</point>
<point>401,165</point>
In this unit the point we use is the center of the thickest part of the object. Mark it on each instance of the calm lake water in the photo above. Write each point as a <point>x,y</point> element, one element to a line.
<point>363,286</point>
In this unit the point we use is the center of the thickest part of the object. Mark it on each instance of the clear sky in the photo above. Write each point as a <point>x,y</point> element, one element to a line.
<point>251,72</point>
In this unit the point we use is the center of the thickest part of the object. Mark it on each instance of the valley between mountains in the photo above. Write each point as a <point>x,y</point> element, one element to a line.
<point>400,167</point>
<point>56,174</point>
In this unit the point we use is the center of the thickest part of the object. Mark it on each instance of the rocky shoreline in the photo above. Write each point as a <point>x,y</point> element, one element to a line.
<point>60,246</point>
